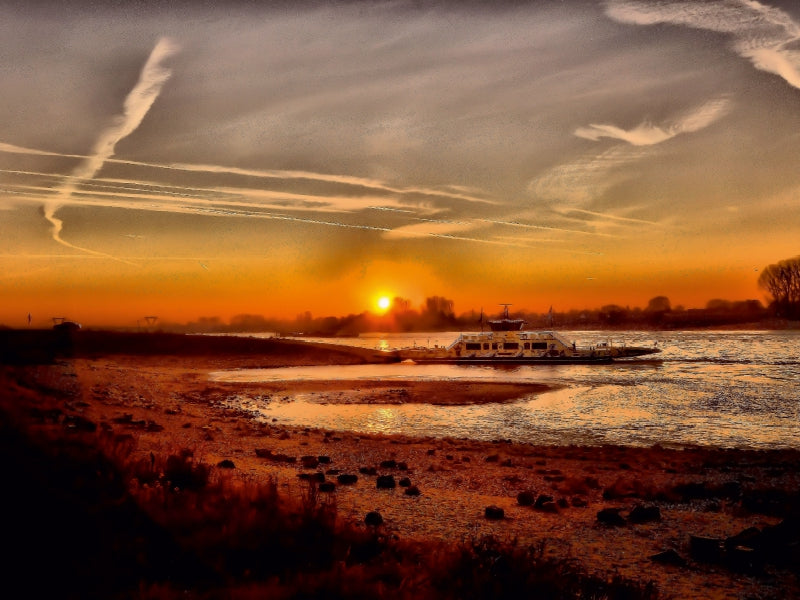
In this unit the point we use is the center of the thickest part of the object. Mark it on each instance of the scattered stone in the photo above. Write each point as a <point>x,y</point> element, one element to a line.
<point>526,498</point>
<point>316,477</point>
<point>579,502</point>
<point>494,513</point>
<point>324,459</point>
<point>327,486</point>
<point>563,503</point>
<point>541,500</point>
<point>402,466</point>
<point>749,537</point>
<point>373,519</point>
<point>333,471</point>
<point>611,517</point>
<point>548,507</point>
<point>226,464</point>
<point>385,482</point>
<point>309,462</point>
<point>412,490</point>
<point>669,557</point>
<point>705,549</point>
<point>404,482</point>
<point>644,514</point>
<point>368,470</point>
<point>431,451</point>
<point>347,479</point>
<point>389,464</point>
<point>492,458</point>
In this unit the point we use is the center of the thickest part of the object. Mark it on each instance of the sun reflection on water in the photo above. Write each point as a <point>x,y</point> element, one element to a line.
<point>708,389</point>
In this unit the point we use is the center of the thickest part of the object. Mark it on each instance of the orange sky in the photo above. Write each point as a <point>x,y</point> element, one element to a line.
<point>193,161</point>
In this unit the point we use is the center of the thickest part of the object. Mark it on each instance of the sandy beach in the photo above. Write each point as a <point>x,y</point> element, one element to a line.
<point>628,511</point>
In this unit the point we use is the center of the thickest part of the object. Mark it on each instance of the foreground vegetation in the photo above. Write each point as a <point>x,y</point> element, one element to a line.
<point>88,516</point>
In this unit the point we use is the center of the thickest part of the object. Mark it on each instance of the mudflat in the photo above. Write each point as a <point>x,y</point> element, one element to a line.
<point>680,518</point>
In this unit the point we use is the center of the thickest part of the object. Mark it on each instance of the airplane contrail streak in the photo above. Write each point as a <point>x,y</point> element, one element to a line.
<point>137,104</point>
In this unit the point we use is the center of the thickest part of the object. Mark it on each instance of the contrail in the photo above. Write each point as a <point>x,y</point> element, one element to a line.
<point>136,106</point>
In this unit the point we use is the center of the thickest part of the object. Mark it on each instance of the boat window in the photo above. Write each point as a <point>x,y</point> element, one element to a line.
<point>527,345</point>
<point>510,345</point>
<point>539,345</point>
<point>486,346</point>
<point>494,346</point>
<point>473,346</point>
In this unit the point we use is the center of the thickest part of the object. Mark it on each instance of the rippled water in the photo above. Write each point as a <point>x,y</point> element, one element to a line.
<point>727,389</point>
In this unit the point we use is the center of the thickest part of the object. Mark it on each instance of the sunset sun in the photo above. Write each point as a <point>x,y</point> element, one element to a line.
<point>384,302</point>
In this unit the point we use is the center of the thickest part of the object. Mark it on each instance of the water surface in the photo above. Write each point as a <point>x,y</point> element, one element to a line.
<point>721,388</point>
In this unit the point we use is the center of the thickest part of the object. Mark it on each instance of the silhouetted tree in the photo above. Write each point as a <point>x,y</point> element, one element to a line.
<point>782,282</point>
<point>659,304</point>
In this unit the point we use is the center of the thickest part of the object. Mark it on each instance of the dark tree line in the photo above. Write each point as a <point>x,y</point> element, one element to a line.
<point>782,281</point>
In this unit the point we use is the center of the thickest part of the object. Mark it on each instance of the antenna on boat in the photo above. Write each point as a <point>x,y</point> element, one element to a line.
<point>505,310</point>
<point>481,319</point>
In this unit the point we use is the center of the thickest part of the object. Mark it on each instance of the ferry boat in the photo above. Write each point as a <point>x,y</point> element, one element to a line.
<point>509,343</point>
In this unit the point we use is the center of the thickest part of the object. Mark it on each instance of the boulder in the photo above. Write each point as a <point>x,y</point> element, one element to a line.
<point>526,498</point>
<point>373,519</point>
<point>644,514</point>
<point>611,517</point>
<point>669,557</point>
<point>385,482</point>
<point>705,549</point>
<point>494,513</point>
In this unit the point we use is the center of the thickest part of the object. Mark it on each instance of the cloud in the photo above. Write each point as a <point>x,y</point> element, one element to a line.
<point>429,228</point>
<point>647,134</point>
<point>764,35</point>
<point>578,182</point>
<point>137,104</point>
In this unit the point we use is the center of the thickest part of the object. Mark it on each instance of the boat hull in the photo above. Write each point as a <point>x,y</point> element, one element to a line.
<point>529,360</point>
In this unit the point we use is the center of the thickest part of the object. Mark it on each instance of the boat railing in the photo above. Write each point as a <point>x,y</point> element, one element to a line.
<point>456,342</point>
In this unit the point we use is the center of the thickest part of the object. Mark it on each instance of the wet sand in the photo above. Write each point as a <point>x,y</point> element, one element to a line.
<point>169,402</point>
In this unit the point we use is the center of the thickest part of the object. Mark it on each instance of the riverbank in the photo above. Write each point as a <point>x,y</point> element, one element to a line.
<point>647,514</point>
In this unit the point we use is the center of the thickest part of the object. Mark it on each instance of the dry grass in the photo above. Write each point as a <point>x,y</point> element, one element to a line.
<point>101,521</point>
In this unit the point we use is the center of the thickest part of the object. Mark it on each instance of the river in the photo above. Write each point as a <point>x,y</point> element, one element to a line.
<point>708,388</point>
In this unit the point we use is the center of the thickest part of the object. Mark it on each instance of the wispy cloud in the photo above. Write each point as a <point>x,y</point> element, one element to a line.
<point>648,134</point>
<point>445,192</point>
<point>765,35</point>
<point>429,228</point>
<point>137,104</point>
<point>578,182</point>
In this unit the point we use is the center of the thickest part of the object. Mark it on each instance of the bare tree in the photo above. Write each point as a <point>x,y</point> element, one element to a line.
<point>782,282</point>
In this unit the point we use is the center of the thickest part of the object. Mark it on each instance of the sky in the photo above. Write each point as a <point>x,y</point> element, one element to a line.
<point>185,160</point>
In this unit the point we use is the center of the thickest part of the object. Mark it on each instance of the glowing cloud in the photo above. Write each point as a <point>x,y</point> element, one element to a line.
<point>647,134</point>
<point>764,35</point>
